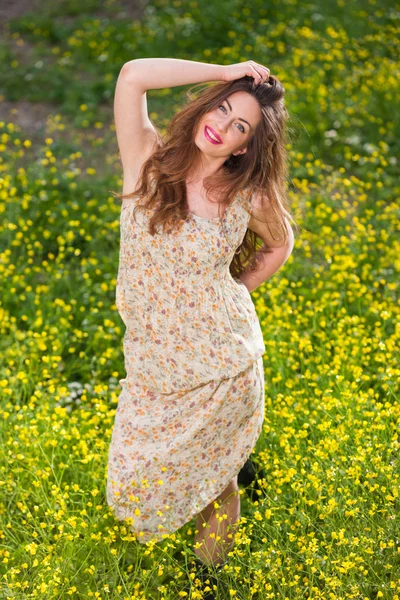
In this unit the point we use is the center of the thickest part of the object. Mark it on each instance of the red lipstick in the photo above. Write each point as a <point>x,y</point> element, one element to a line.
<point>210,139</point>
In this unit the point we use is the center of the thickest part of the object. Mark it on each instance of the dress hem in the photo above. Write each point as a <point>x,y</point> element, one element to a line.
<point>160,537</point>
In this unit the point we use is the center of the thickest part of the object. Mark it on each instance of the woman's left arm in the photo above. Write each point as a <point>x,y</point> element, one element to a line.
<point>267,263</point>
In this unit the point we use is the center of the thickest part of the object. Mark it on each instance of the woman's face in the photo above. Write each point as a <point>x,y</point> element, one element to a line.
<point>233,122</point>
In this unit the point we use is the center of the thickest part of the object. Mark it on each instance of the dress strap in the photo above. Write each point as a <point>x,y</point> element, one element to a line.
<point>236,219</point>
<point>245,199</point>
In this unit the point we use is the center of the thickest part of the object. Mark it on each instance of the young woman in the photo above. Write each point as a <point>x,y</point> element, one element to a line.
<point>194,206</point>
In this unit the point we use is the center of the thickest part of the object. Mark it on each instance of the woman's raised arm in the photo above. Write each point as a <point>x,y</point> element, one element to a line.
<point>157,73</point>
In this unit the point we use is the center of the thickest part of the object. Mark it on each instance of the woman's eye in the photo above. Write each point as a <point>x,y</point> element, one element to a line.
<point>222,106</point>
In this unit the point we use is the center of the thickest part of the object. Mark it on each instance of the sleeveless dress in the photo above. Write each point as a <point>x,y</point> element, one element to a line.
<point>192,402</point>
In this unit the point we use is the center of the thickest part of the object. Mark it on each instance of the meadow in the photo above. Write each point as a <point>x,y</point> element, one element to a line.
<point>325,523</point>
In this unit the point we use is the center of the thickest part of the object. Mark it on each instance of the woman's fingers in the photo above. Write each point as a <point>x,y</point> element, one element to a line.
<point>260,76</point>
<point>256,75</point>
<point>262,73</point>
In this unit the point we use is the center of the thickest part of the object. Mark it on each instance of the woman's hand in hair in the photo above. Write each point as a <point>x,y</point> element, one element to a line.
<point>250,68</point>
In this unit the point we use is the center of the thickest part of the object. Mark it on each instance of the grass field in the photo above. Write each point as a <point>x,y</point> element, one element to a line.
<point>326,524</point>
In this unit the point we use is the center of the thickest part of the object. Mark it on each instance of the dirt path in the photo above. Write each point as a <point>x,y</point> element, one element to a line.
<point>38,120</point>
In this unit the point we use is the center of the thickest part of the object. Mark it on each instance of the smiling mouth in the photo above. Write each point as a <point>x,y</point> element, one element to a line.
<point>211,135</point>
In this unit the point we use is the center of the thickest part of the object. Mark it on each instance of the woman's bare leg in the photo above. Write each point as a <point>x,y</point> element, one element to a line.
<point>214,532</point>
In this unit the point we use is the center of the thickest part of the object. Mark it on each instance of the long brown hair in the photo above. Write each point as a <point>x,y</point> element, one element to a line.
<point>261,170</point>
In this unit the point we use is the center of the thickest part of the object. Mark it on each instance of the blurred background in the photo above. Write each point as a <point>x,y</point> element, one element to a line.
<point>324,524</point>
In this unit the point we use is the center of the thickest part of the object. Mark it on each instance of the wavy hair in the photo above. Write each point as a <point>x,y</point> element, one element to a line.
<point>261,171</point>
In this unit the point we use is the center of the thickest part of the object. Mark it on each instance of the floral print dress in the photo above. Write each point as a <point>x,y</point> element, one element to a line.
<point>192,402</point>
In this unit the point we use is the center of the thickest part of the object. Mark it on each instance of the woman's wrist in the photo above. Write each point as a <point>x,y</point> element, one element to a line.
<point>158,73</point>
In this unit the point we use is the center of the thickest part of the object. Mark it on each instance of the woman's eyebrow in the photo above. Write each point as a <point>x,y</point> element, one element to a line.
<point>230,107</point>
